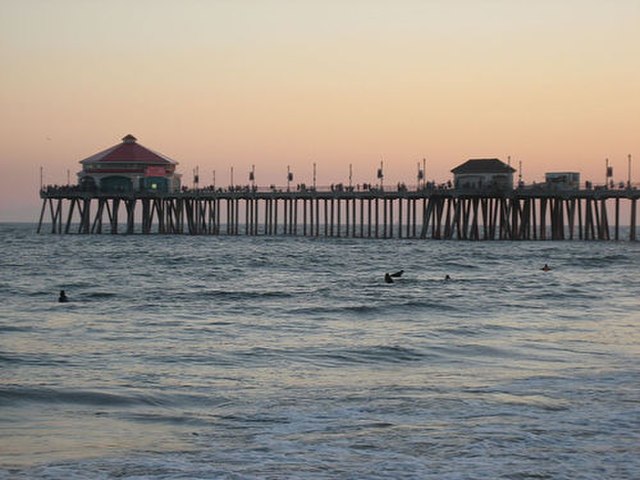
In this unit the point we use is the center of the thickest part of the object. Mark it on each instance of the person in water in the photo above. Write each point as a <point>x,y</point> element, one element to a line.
<point>387,278</point>
<point>397,274</point>
<point>546,268</point>
<point>63,297</point>
<point>447,278</point>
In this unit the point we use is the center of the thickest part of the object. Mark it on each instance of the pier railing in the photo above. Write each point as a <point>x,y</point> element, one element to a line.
<point>435,212</point>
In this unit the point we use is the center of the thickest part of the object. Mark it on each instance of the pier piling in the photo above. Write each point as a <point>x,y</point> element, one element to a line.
<point>439,214</point>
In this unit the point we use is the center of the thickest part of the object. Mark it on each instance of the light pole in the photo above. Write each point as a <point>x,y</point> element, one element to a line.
<point>314,176</point>
<point>289,177</point>
<point>41,176</point>
<point>252,177</point>
<point>350,175</point>
<point>213,177</point>
<point>424,173</point>
<point>629,172</point>
<point>519,173</point>
<point>381,175</point>
<point>420,177</point>
<point>231,177</point>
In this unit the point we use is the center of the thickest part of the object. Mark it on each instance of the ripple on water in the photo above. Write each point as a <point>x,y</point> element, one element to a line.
<point>201,357</point>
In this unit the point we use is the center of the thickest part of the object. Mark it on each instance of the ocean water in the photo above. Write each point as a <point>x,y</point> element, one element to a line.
<point>289,358</point>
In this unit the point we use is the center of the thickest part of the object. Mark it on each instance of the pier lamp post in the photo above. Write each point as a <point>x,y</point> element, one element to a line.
<point>381,176</point>
<point>252,177</point>
<point>314,176</point>
<point>213,178</point>
<point>41,176</point>
<point>629,171</point>
<point>289,177</point>
<point>609,173</point>
<point>350,175</point>
<point>520,183</point>
<point>231,178</point>
<point>424,173</point>
<point>420,177</point>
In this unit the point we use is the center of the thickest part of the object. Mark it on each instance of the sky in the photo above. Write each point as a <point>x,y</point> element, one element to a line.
<point>552,84</point>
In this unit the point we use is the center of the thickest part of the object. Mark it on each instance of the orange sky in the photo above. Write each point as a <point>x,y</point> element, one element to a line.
<point>216,84</point>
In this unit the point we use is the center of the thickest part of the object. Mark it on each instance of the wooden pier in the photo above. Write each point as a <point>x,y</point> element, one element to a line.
<point>442,214</point>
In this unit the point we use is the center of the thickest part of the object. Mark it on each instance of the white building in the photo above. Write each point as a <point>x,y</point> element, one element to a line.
<point>562,180</point>
<point>486,174</point>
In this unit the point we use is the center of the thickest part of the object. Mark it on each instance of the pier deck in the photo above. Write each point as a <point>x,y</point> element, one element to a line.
<point>522,214</point>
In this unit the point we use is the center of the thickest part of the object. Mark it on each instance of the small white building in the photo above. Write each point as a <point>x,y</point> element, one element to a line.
<point>562,180</point>
<point>483,174</point>
<point>129,167</point>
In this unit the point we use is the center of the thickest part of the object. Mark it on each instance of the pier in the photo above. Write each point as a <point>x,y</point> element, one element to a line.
<point>426,213</point>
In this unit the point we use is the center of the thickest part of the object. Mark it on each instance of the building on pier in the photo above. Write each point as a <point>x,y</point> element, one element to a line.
<point>562,180</point>
<point>129,167</point>
<point>483,174</point>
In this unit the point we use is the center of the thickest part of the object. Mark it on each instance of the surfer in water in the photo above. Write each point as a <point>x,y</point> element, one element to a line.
<point>546,268</point>
<point>387,278</point>
<point>63,297</point>
<point>397,274</point>
<point>447,278</point>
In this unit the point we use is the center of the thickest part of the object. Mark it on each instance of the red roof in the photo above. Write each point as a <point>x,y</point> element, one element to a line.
<point>129,151</point>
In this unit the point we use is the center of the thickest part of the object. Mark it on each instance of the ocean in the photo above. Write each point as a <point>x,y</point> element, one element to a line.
<point>181,357</point>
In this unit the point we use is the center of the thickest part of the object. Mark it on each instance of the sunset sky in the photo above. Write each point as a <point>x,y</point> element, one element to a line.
<point>221,84</point>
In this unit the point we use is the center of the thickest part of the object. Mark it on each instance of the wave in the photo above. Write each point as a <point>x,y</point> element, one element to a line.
<point>11,395</point>
<point>230,294</point>
<point>32,359</point>
<point>410,306</point>
<point>99,295</point>
<point>14,328</point>
<point>382,354</point>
